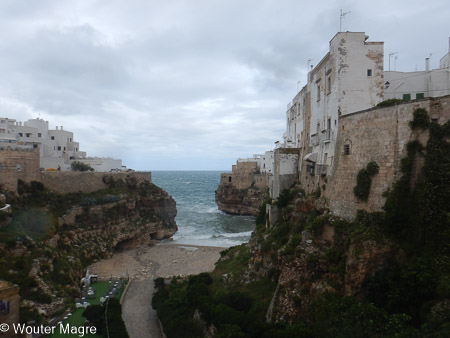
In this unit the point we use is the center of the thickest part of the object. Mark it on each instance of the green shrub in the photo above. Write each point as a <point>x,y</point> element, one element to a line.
<point>286,195</point>
<point>420,119</point>
<point>159,283</point>
<point>389,102</point>
<point>80,166</point>
<point>364,181</point>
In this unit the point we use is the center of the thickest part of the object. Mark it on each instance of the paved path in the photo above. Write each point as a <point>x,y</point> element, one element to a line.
<point>140,318</point>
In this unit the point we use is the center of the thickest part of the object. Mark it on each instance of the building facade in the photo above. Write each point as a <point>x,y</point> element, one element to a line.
<point>419,84</point>
<point>57,147</point>
<point>9,307</point>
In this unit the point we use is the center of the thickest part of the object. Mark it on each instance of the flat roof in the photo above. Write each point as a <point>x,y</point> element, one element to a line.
<point>5,285</point>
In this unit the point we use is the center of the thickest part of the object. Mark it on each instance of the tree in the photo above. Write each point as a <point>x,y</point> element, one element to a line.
<point>80,166</point>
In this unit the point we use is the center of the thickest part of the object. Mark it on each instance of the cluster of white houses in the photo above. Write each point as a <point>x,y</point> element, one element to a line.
<point>57,147</point>
<point>349,78</point>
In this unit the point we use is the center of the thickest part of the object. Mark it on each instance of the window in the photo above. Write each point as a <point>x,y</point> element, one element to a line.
<point>369,72</point>
<point>419,96</point>
<point>64,148</point>
<point>346,149</point>
<point>18,167</point>
<point>229,178</point>
<point>39,135</point>
<point>52,137</point>
<point>328,129</point>
<point>59,147</point>
<point>329,84</point>
<point>406,97</point>
<point>20,134</point>
<point>318,93</point>
<point>35,146</point>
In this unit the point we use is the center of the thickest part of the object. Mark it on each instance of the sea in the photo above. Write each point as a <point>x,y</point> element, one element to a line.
<point>199,220</point>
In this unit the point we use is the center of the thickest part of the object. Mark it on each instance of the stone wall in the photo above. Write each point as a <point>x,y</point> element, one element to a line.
<point>285,170</point>
<point>9,306</point>
<point>380,135</point>
<point>242,191</point>
<point>18,164</point>
<point>244,175</point>
<point>74,181</point>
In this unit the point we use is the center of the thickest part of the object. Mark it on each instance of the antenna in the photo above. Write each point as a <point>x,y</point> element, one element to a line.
<point>390,55</point>
<point>340,19</point>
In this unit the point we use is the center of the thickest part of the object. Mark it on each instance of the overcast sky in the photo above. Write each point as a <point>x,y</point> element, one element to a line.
<point>187,85</point>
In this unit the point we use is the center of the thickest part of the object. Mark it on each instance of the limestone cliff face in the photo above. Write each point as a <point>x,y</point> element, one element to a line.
<point>242,191</point>
<point>312,254</point>
<point>239,202</point>
<point>87,227</point>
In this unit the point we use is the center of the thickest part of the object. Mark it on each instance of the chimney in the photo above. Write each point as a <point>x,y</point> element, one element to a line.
<point>56,127</point>
<point>427,64</point>
<point>61,127</point>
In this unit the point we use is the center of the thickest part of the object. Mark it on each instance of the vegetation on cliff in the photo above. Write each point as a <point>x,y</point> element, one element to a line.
<point>52,238</point>
<point>314,275</point>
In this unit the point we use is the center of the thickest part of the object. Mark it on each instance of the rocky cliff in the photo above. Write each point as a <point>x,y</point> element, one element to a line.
<point>309,273</point>
<point>239,201</point>
<point>53,237</point>
<point>242,191</point>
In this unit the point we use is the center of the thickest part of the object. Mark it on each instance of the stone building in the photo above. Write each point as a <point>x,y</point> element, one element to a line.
<point>245,173</point>
<point>18,164</point>
<point>333,127</point>
<point>349,78</point>
<point>242,191</point>
<point>9,307</point>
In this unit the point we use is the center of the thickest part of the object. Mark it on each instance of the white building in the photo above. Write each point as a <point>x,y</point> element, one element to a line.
<point>57,147</point>
<point>419,84</point>
<point>348,79</point>
<point>266,162</point>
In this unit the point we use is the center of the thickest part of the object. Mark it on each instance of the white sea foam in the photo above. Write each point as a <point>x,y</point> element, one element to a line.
<point>234,234</point>
<point>199,220</point>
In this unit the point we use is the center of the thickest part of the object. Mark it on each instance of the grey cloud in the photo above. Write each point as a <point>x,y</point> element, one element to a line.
<point>204,81</point>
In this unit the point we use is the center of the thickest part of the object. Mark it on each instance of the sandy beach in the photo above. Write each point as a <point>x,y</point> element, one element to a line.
<point>142,265</point>
<point>161,260</point>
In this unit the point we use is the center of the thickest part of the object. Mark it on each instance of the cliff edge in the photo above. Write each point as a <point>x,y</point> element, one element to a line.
<point>242,191</point>
<point>52,237</point>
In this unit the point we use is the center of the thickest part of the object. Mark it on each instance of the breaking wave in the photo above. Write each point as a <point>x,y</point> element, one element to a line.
<point>199,220</point>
